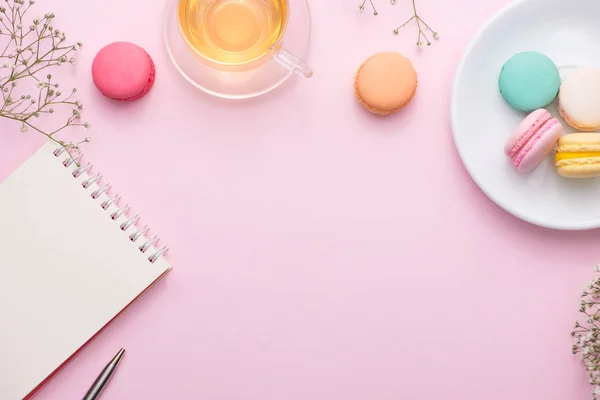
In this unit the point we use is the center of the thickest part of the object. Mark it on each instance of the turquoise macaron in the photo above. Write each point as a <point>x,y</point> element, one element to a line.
<point>529,81</point>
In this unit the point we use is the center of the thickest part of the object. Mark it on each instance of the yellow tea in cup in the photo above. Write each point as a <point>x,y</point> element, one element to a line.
<point>232,32</point>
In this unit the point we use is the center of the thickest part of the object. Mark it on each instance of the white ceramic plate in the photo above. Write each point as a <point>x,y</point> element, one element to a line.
<point>569,33</point>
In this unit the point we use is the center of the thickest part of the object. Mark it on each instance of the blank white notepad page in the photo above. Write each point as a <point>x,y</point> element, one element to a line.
<point>66,269</point>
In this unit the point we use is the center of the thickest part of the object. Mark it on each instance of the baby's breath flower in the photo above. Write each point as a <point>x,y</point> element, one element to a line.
<point>586,336</point>
<point>19,55</point>
<point>361,8</point>
<point>424,28</point>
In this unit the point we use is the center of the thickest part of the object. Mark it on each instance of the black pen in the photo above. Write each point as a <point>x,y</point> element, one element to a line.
<point>104,377</point>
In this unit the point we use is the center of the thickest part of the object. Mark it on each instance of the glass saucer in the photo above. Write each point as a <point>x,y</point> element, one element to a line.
<point>241,84</point>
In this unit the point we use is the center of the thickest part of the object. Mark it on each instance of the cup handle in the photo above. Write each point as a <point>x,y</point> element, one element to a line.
<point>292,62</point>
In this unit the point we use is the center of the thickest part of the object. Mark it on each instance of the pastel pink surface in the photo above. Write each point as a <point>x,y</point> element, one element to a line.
<point>312,260</point>
<point>533,140</point>
<point>123,71</point>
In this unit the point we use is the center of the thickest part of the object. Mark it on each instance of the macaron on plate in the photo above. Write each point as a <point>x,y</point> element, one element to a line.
<point>523,173</point>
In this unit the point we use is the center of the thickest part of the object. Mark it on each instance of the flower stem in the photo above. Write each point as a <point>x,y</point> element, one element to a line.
<point>421,33</point>
<point>37,36</point>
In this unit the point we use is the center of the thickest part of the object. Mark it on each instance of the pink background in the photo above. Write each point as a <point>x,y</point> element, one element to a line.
<point>319,252</point>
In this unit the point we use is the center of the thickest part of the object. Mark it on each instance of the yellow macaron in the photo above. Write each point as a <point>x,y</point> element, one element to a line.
<point>578,155</point>
<point>385,83</point>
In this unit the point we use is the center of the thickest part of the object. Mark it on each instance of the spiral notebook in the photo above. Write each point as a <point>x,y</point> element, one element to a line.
<point>71,259</point>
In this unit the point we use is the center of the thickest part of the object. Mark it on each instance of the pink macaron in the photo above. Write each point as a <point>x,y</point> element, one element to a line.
<point>123,71</point>
<point>533,140</point>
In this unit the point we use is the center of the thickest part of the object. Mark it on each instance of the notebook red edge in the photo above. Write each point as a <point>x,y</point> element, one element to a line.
<point>39,387</point>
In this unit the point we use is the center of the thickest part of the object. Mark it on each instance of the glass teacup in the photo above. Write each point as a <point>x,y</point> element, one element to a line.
<point>235,35</point>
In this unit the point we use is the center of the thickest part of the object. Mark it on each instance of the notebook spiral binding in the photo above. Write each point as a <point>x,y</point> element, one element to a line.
<point>146,243</point>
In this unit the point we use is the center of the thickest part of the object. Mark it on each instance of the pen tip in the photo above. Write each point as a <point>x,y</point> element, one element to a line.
<point>118,357</point>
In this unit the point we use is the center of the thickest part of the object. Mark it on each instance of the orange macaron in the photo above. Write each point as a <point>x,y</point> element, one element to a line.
<point>385,83</point>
